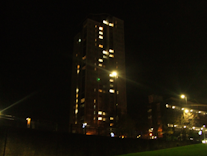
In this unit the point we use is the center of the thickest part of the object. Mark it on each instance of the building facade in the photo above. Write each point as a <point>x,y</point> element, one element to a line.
<point>98,78</point>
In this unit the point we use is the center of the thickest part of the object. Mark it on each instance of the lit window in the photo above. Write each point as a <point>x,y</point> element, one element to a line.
<point>117,92</point>
<point>94,112</point>
<point>76,106</point>
<point>105,52</point>
<point>94,118</point>
<point>79,40</point>
<point>100,112</point>
<point>95,26</point>
<point>100,60</point>
<point>100,90</point>
<point>100,46</point>
<point>111,51</point>
<point>82,100</point>
<point>100,37</point>
<point>111,90</point>
<point>104,56</point>
<point>76,95</point>
<point>77,90</point>
<point>105,22</point>
<point>78,71</point>
<point>84,57</point>
<point>111,80</point>
<point>78,66</point>
<point>94,106</point>
<point>104,113</point>
<point>76,122</point>
<point>111,124</point>
<point>111,118</point>
<point>99,118</point>
<point>173,107</point>
<point>94,100</point>
<point>76,100</point>
<point>76,111</point>
<point>111,24</point>
<point>100,65</point>
<point>100,32</point>
<point>100,28</point>
<point>111,85</point>
<point>167,105</point>
<point>111,55</point>
<point>104,119</point>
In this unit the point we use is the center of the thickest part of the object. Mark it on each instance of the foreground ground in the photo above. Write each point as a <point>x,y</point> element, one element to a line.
<point>190,150</point>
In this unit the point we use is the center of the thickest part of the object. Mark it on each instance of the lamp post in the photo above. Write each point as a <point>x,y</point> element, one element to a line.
<point>184,97</point>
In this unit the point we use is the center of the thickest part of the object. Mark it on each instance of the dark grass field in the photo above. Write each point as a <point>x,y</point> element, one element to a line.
<point>190,150</point>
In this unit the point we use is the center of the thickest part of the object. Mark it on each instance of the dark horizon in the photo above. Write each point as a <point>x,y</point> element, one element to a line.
<point>165,48</point>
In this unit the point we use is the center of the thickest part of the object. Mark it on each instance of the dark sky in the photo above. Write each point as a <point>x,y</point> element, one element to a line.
<point>165,44</point>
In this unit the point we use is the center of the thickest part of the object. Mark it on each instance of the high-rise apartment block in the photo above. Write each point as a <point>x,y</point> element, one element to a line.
<point>98,78</point>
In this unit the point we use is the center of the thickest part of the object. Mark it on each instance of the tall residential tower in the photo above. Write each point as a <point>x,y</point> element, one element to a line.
<point>98,78</point>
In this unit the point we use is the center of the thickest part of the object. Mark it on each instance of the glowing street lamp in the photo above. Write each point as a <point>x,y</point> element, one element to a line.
<point>184,97</point>
<point>113,74</point>
<point>186,110</point>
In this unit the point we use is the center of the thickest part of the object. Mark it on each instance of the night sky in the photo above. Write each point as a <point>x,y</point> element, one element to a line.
<point>165,45</point>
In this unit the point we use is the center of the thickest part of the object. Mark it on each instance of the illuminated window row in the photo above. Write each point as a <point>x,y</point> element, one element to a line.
<point>77,90</point>
<point>184,126</point>
<point>186,110</point>
<point>107,23</point>
<point>101,118</point>
<point>101,113</point>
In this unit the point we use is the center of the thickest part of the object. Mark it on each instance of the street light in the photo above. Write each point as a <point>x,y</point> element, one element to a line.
<point>184,97</point>
<point>113,74</point>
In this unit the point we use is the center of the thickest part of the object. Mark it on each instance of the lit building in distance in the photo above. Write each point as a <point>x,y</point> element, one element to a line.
<point>98,78</point>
